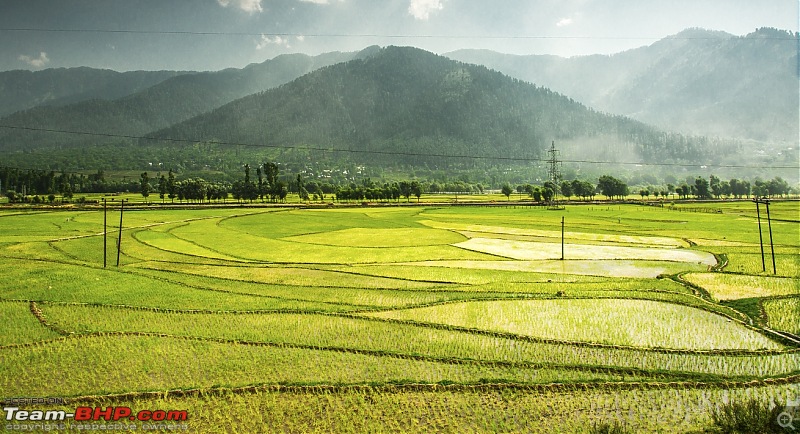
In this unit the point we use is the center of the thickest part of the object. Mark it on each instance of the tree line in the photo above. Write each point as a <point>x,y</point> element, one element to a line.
<point>269,185</point>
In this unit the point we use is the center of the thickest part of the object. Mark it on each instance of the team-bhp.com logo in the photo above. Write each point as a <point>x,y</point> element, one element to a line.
<point>154,418</point>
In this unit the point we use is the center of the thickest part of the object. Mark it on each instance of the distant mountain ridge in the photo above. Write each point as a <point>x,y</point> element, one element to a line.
<point>172,100</point>
<point>400,100</point>
<point>696,82</point>
<point>404,104</point>
<point>23,90</point>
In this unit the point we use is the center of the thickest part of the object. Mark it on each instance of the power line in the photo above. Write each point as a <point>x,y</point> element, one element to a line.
<point>386,153</point>
<point>370,35</point>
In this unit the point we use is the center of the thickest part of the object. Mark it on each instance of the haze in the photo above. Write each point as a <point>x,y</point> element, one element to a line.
<point>214,34</point>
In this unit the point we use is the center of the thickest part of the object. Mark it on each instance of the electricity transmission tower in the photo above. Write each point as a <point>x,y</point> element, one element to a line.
<point>554,173</point>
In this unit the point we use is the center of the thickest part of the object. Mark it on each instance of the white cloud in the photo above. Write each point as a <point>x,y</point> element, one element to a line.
<point>36,62</point>
<point>421,9</point>
<point>274,40</point>
<point>319,2</point>
<point>249,6</point>
<point>564,22</point>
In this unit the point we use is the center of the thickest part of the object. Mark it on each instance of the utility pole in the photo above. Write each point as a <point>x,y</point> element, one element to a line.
<point>105,232</point>
<point>771,245</point>
<point>760,237</point>
<point>765,201</point>
<point>562,237</point>
<point>119,239</point>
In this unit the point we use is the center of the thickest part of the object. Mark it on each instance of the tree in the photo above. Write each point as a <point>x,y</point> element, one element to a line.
<point>537,194</point>
<point>566,189</point>
<point>716,186</point>
<point>612,187</point>
<point>739,188</point>
<point>405,189</point>
<point>777,186</point>
<point>171,187</point>
<point>162,187</point>
<point>701,189</point>
<point>416,189</point>
<point>528,189</point>
<point>145,187</point>
<point>548,193</point>
<point>301,189</point>
<point>683,191</point>
<point>507,190</point>
<point>261,187</point>
<point>760,188</point>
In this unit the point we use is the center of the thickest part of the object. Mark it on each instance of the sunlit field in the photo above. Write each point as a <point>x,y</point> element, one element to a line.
<point>413,318</point>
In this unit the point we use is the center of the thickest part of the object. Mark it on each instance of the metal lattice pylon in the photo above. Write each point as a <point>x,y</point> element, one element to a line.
<point>554,175</point>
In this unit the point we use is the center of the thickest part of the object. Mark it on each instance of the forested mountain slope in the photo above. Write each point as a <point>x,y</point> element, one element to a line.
<point>158,106</point>
<point>696,82</point>
<point>404,101</point>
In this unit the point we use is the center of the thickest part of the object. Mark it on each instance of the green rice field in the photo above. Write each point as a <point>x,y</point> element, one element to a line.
<point>413,318</point>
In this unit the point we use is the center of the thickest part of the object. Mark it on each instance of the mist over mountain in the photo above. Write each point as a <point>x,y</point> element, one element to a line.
<point>400,105</point>
<point>696,82</point>
<point>404,104</point>
<point>165,103</point>
<point>22,90</point>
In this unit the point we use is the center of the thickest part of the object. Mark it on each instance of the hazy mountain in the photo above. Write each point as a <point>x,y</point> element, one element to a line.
<point>404,101</point>
<point>22,90</point>
<point>697,82</point>
<point>158,106</point>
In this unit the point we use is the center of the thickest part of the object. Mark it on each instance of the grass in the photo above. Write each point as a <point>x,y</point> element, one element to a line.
<point>361,302</point>
<point>725,286</point>
<point>615,322</point>
<point>19,326</point>
<point>783,314</point>
<point>203,364</point>
<point>450,409</point>
<point>530,251</point>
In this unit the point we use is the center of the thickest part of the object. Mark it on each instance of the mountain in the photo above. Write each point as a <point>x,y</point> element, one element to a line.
<point>401,102</point>
<point>170,101</point>
<point>696,82</point>
<point>22,90</point>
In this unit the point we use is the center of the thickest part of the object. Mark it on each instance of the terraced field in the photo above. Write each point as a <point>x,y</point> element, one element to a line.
<point>412,319</point>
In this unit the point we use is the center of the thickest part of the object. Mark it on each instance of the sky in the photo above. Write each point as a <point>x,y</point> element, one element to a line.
<point>205,35</point>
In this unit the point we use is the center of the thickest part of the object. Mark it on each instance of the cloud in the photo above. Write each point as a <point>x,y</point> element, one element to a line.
<point>318,2</point>
<point>36,62</point>
<point>249,6</point>
<point>274,40</point>
<point>421,9</point>
<point>564,22</point>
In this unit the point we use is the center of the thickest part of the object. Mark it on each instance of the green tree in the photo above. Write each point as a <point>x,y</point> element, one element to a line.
<point>171,186</point>
<point>701,188</point>
<point>301,189</point>
<point>548,193</point>
<point>144,187</point>
<point>566,189</point>
<point>537,194</point>
<point>612,187</point>
<point>162,187</point>
<point>405,189</point>
<point>716,186</point>
<point>507,190</point>
<point>416,189</point>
